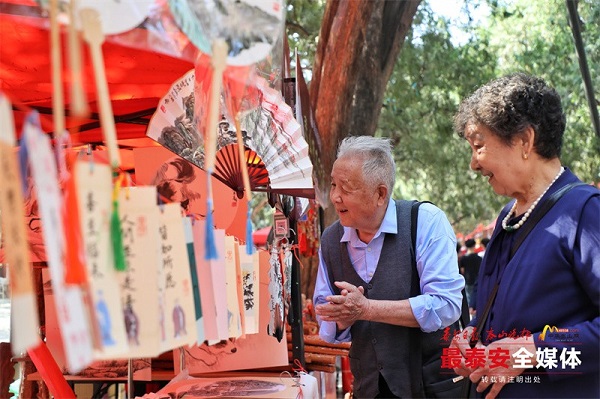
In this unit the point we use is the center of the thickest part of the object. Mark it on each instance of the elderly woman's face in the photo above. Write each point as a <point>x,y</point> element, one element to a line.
<point>500,163</point>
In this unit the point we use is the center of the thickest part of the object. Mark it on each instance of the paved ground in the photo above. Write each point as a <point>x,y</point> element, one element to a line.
<point>4,320</point>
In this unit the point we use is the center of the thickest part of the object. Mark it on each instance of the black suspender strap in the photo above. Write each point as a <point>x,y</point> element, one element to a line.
<point>464,315</point>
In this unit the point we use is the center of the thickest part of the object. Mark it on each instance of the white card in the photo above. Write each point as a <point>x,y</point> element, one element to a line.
<point>139,283</point>
<point>25,327</point>
<point>94,197</point>
<point>250,284</point>
<point>178,326</point>
<point>189,242</point>
<point>233,295</point>
<point>72,314</point>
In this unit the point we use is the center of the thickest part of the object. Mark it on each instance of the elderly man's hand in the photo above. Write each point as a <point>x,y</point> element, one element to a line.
<point>346,308</point>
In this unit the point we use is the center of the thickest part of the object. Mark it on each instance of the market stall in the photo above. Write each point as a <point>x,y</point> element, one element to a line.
<point>129,170</point>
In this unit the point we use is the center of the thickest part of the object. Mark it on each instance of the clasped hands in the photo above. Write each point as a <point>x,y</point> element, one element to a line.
<point>485,375</point>
<point>346,308</point>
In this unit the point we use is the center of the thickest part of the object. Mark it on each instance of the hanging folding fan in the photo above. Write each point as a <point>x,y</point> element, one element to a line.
<point>227,169</point>
<point>277,138</point>
<point>276,152</point>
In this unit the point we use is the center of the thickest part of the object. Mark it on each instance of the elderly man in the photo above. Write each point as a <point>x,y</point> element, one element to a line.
<point>363,288</point>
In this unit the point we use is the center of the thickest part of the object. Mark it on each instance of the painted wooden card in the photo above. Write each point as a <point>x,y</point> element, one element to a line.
<point>189,242</point>
<point>250,288</point>
<point>72,313</point>
<point>205,281</point>
<point>234,322</point>
<point>94,197</point>
<point>178,326</point>
<point>23,299</point>
<point>139,216</point>
<point>219,280</point>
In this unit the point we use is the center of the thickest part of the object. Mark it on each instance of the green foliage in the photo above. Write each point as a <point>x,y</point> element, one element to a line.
<point>262,212</point>
<point>428,83</point>
<point>433,75</point>
<point>303,24</point>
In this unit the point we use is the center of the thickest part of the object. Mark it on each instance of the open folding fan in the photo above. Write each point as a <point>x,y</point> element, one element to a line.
<point>277,138</point>
<point>276,152</point>
<point>227,169</point>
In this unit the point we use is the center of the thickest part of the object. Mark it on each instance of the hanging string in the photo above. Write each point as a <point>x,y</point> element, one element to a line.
<point>295,378</point>
<point>297,367</point>
<point>295,251</point>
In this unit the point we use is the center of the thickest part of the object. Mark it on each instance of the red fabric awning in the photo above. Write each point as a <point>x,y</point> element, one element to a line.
<point>137,78</point>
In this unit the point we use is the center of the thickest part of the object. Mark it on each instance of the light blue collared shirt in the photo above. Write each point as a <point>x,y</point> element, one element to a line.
<point>439,304</point>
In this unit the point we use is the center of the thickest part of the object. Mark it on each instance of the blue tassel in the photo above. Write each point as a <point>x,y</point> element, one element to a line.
<point>32,118</point>
<point>249,239</point>
<point>211,249</point>
<point>23,158</point>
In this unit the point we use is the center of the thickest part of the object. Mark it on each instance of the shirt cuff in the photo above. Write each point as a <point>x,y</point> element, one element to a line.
<point>328,333</point>
<point>424,314</point>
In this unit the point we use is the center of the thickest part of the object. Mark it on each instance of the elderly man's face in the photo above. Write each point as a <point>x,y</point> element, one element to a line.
<point>354,200</point>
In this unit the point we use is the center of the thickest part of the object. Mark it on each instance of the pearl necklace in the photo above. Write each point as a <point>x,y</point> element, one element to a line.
<point>508,228</point>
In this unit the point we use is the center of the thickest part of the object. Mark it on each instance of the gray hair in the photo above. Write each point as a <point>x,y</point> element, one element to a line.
<point>376,155</point>
<point>509,104</point>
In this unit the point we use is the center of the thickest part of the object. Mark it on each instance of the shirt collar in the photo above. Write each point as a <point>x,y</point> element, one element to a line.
<point>389,225</point>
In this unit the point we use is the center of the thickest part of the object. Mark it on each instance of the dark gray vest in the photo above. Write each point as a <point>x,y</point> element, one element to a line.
<point>378,347</point>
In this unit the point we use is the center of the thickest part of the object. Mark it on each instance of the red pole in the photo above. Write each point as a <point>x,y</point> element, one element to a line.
<point>50,373</point>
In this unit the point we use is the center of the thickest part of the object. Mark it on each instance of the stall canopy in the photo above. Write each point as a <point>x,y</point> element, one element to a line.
<point>137,78</point>
<point>138,72</point>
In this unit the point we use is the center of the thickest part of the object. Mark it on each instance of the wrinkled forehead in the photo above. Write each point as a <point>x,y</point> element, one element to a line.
<point>473,131</point>
<point>348,166</point>
<point>347,172</point>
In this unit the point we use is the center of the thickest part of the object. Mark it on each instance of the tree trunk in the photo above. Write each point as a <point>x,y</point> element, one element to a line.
<point>358,46</point>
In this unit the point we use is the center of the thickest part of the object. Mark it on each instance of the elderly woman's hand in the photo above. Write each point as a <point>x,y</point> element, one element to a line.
<point>510,361</point>
<point>347,307</point>
<point>462,342</point>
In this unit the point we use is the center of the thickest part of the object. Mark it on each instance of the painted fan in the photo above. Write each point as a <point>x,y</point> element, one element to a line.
<point>227,169</point>
<point>272,137</point>
<point>249,27</point>
<point>131,13</point>
<point>277,137</point>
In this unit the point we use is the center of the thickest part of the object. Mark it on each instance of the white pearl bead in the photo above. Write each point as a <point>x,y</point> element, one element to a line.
<point>508,228</point>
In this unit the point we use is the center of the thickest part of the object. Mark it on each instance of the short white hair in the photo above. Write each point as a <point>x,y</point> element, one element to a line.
<point>376,155</point>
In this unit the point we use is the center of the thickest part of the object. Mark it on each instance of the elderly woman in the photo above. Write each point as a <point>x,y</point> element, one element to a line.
<point>536,333</point>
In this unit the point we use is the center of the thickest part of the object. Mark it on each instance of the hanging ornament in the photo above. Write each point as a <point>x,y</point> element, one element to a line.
<point>276,323</point>
<point>287,272</point>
